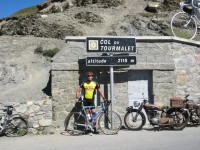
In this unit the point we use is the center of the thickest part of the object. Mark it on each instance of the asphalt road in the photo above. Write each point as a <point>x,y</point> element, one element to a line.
<point>146,139</point>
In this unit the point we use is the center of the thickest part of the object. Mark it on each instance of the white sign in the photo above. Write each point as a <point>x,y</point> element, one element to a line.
<point>137,91</point>
<point>111,44</point>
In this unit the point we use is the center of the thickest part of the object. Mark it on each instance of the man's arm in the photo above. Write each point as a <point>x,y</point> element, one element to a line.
<point>78,92</point>
<point>101,93</point>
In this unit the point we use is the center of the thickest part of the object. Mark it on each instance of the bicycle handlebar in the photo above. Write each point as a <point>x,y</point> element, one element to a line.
<point>192,3</point>
<point>188,4</point>
<point>107,102</point>
<point>6,107</point>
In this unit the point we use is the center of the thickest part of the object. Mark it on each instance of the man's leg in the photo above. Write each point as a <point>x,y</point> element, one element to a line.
<point>88,111</point>
<point>94,125</point>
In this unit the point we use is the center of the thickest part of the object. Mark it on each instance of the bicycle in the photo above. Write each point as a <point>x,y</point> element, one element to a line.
<point>185,23</point>
<point>78,123</point>
<point>12,125</point>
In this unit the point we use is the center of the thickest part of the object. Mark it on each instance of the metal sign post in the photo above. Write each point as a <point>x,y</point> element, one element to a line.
<point>112,85</point>
<point>112,91</point>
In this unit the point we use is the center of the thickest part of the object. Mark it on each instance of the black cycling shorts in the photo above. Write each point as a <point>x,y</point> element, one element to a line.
<point>89,103</point>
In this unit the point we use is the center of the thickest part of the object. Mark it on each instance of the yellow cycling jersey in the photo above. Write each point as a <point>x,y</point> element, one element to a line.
<point>89,89</point>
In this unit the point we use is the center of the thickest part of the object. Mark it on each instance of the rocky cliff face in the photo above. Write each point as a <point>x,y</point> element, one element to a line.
<point>55,6</point>
<point>60,18</point>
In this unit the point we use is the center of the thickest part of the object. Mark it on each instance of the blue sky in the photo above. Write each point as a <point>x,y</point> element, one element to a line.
<point>9,7</point>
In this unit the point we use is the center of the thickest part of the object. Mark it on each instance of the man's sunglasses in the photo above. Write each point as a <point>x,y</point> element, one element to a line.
<point>90,75</point>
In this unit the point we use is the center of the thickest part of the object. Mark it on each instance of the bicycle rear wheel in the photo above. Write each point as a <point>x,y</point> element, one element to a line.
<point>17,126</point>
<point>183,25</point>
<point>75,123</point>
<point>110,122</point>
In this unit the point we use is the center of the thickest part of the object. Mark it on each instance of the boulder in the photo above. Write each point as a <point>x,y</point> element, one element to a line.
<point>153,6</point>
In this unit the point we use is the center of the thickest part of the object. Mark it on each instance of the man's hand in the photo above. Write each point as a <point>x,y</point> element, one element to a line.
<point>77,99</point>
<point>103,101</point>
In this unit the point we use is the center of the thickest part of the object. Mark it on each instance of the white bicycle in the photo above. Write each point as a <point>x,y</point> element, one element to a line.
<point>185,23</point>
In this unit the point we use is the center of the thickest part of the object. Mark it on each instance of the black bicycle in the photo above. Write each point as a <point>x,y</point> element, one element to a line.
<point>109,122</point>
<point>12,124</point>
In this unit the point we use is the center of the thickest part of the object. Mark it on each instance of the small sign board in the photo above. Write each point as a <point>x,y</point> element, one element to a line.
<point>111,61</point>
<point>111,44</point>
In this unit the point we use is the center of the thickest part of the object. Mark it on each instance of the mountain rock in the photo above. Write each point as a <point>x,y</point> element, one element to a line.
<point>60,18</point>
<point>55,6</point>
<point>32,25</point>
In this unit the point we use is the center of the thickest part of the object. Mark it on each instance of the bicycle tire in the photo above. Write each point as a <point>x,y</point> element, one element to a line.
<point>17,126</point>
<point>105,122</point>
<point>183,25</point>
<point>75,123</point>
<point>138,123</point>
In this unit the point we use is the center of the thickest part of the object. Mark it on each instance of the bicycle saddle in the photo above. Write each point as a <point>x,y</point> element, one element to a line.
<point>11,106</point>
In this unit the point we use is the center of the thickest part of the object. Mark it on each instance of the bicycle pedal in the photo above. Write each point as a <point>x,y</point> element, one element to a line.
<point>96,132</point>
<point>87,132</point>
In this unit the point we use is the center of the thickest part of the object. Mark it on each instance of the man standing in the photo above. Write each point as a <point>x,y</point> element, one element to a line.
<point>88,88</point>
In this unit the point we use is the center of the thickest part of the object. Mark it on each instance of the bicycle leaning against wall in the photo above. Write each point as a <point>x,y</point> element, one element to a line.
<point>185,23</point>
<point>78,123</point>
<point>12,125</point>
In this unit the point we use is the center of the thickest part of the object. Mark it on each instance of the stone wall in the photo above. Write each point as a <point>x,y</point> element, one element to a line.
<point>187,73</point>
<point>163,86</point>
<point>37,113</point>
<point>174,64</point>
<point>64,85</point>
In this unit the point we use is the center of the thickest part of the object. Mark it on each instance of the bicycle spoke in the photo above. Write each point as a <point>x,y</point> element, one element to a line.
<point>16,127</point>
<point>75,123</point>
<point>110,122</point>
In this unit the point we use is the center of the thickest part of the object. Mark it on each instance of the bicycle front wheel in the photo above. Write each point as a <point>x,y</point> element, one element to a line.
<point>183,25</point>
<point>110,122</point>
<point>75,123</point>
<point>17,126</point>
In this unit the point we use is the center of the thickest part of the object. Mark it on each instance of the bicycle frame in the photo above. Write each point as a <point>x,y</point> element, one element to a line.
<point>193,14</point>
<point>88,124</point>
<point>4,117</point>
<point>196,18</point>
